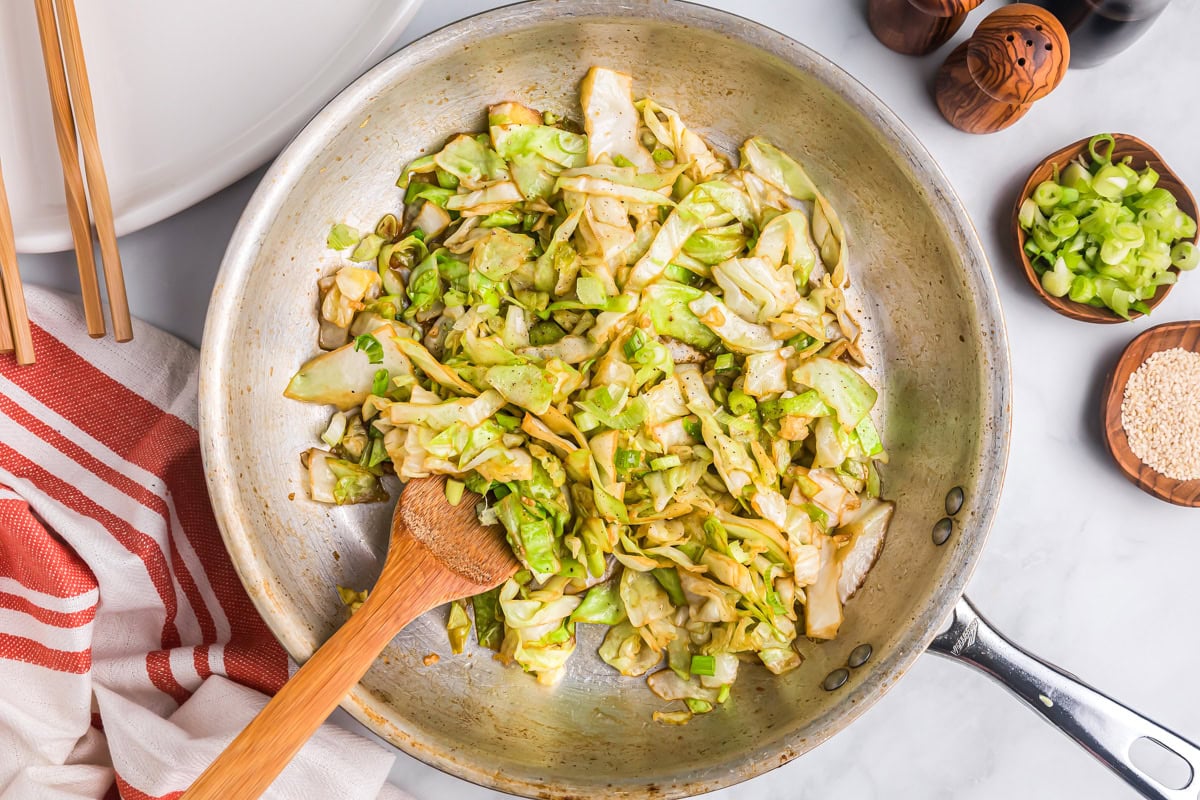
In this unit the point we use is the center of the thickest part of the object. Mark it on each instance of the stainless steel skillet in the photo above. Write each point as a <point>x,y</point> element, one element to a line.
<point>935,336</point>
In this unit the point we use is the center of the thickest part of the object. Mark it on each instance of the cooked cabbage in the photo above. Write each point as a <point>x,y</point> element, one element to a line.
<point>642,357</point>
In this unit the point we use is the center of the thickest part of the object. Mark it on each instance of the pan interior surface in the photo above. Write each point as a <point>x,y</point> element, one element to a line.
<point>933,333</point>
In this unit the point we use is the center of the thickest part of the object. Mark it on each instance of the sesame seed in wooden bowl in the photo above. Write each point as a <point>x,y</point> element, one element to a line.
<point>1151,415</point>
<point>1141,155</point>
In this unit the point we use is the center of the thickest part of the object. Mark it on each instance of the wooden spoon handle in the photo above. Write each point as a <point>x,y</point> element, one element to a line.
<point>260,752</point>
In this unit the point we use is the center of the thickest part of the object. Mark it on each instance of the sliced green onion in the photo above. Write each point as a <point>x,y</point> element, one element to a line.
<point>1045,239</point>
<point>1131,233</point>
<point>1057,281</point>
<point>1099,140</point>
<point>1159,199</point>
<point>1107,236</point>
<point>801,342</point>
<point>1076,177</point>
<point>724,361</point>
<point>1110,182</point>
<point>507,421</point>
<point>1185,226</point>
<point>1027,215</point>
<point>1114,251</point>
<point>1185,255</point>
<point>626,460</point>
<point>808,404</point>
<point>1131,177</point>
<point>608,398</point>
<point>1147,180</point>
<point>741,403</point>
<point>1063,224</point>
<point>1083,289</point>
<point>635,342</point>
<point>703,665</point>
<point>664,462</point>
<point>379,383</point>
<point>1047,195</point>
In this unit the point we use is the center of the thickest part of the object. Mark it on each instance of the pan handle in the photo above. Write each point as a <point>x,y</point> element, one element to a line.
<point>1104,727</point>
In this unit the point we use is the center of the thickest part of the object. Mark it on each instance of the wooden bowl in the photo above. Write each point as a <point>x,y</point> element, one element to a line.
<point>1142,154</point>
<point>1162,337</point>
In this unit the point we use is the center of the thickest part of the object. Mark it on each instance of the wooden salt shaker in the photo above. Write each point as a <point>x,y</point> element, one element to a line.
<point>917,27</point>
<point>1016,56</point>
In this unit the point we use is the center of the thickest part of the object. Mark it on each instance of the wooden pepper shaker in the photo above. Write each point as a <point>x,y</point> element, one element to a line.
<point>1016,56</point>
<point>917,27</point>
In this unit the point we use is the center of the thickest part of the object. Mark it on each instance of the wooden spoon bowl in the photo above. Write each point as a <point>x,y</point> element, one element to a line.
<point>437,553</point>
<point>1141,154</point>
<point>1162,337</point>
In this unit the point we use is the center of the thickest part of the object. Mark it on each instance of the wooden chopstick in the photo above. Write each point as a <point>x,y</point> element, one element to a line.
<point>10,279</point>
<point>68,152</point>
<point>6,340</point>
<point>93,164</point>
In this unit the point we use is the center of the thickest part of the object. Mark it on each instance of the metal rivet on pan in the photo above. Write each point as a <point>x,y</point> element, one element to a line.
<point>942,530</point>
<point>954,500</point>
<point>859,656</point>
<point>835,679</point>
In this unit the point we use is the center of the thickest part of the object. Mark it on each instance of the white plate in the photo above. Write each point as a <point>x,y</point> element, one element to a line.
<point>189,96</point>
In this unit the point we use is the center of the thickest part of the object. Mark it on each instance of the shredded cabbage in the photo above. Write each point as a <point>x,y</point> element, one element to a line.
<point>640,356</point>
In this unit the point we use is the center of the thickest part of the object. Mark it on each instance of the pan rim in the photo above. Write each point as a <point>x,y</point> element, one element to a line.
<point>280,179</point>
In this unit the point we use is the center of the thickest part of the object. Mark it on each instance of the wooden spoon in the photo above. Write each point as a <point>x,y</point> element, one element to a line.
<point>437,553</point>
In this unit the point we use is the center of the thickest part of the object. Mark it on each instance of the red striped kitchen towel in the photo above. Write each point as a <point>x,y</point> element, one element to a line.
<point>129,651</point>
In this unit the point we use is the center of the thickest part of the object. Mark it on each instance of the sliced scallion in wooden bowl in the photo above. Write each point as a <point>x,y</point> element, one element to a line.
<point>1104,227</point>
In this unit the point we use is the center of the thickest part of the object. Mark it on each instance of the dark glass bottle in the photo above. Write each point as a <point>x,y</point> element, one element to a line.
<point>1099,29</point>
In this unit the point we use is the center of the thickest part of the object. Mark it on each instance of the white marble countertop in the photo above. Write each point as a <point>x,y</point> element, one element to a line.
<point>1082,568</point>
